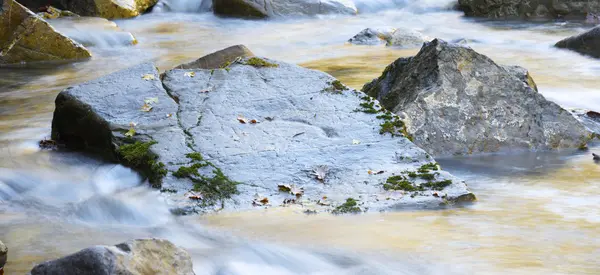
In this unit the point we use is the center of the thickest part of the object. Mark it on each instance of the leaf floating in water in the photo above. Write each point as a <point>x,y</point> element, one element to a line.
<point>355,142</point>
<point>242,119</point>
<point>146,107</point>
<point>148,77</point>
<point>190,74</point>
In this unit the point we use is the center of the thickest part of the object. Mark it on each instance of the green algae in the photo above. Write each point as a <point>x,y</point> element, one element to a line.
<point>350,206</point>
<point>259,62</point>
<point>139,157</point>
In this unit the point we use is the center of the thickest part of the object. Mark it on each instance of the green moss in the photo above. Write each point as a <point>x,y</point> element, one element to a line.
<point>258,62</point>
<point>368,107</point>
<point>427,176</point>
<point>425,168</point>
<point>400,183</point>
<point>166,190</point>
<point>437,185</point>
<point>350,206</point>
<point>213,189</point>
<point>336,87</point>
<point>412,174</point>
<point>139,157</point>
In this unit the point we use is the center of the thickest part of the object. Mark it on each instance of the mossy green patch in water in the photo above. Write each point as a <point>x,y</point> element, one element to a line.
<point>350,206</point>
<point>259,62</point>
<point>139,157</point>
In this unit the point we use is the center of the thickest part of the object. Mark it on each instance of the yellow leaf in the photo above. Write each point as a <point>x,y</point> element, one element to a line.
<point>151,100</point>
<point>355,141</point>
<point>148,77</point>
<point>147,107</point>
<point>130,133</point>
<point>190,74</point>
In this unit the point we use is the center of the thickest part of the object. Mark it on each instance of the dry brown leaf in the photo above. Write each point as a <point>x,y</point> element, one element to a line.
<point>284,187</point>
<point>147,107</point>
<point>297,191</point>
<point>242,120</point>
<point>253,121</point>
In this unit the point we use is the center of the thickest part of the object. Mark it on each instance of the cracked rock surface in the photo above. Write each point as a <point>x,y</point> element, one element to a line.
<point>257,127</point>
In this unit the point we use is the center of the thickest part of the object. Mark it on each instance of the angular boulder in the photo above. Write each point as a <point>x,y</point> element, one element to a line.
<point>218,59</point>
<point>405,38</point>
<point>281,8</point>
<point>456,101</point>
<point>140,256</point>
<point>529,9</point>
<point>587,43</point>
<point>26,37</point>
<point>110,9</point>
<point>256,133</point>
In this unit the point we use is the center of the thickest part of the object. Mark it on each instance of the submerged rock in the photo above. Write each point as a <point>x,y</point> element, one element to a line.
<point>218,59</point>
<point>280,8</point>
<point>108,8</point>
<point>457,101</point>
<point>26,37</point>
<point>405,38</point>
<point>587,43</point>
<point>140,256</point>
<point>529,9</point>
<point>256,133</point>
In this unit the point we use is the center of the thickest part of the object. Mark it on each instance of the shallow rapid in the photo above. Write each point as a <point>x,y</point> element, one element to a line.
<point>537,212</point>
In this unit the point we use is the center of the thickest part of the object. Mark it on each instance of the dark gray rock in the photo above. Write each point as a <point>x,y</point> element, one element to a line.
<point>141,256</point>
<point>281,8</point>
<point>218,59</point>
<point>405,38</point>
<point>258,123</point>
<point>508,9</point>
<point>589,119</point>
<point>587,43</point>
<point>456,101</point>
<point>3,254</point>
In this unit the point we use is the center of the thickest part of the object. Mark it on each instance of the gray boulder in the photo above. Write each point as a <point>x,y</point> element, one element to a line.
<point>218,59</point>
<point>26,37</point>
<point>140,257</point>
<point>281,8</point>
<point>529,9</point>
<point>405,38</point>
<point>256,133</point>
<point>456,101</point>
<point>3,255</point>
<point>587,43</point>
<point>589,119</point>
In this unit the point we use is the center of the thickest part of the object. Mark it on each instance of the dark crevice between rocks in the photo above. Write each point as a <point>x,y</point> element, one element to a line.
<point>189,139</point>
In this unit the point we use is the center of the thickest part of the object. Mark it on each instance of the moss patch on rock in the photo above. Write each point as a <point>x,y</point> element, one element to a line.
<point>259,62</point>
<point>392,124</point>
<point>400,183</point>
<point>139,157</point>
<point>350,206</point>
<point>336,87</point>
<point>213,189</point>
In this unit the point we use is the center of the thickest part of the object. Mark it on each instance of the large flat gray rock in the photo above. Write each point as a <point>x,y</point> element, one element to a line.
<point>456,101</point>
<point>305,122</point>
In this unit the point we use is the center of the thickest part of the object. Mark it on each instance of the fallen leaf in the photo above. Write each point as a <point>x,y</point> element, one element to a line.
<point>436,195</point>
<point>261,201</point>
<point>242,120</point>
<point>253,121</point>
<point>323,201</point>
<point>320,172</point>
<point>355,141</point>
<point>148,77</point>
<point>190,74</point>
<point>205,91</point>
<point>380,172</point>
<point>151,100</point>
<point>169,115</point>
<point>297,191</point>
<point>370,172</point>
<point>130,133</point>
<point>147,107</point>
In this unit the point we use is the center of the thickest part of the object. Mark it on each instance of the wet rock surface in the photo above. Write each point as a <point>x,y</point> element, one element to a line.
<point>514,9</point>
<point>283,8</point>
<point>587,43</point>
<point>26,37</point>
<point>455,101</point>
<point>256,133</point>
<point>401,37</point>
<point>140,256</point>
<point>218,59</point>
<point>108,8</point>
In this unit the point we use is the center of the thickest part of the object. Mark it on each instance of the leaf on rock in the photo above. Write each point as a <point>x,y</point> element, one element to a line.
<point>148,77</point>
<point>130,133</point>
<point>242,119</point>
<point>320,172</point>
<point>190,74</point>
<point>253,121</point>
<point>297,191</point>
<point>370,172</point>
<point>260,201</point>
<point>284,187</point>
<point>355,142</point>
<point>151,100</point>
<point>323,201</point>
<point>169,115</point>
<point>194,195</point>
<point>147,107</point>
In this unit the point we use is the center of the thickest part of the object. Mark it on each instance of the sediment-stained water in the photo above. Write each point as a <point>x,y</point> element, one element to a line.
<point>537,212</point>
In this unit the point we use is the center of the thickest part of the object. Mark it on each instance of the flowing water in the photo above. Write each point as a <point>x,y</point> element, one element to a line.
<point>538,213</point>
